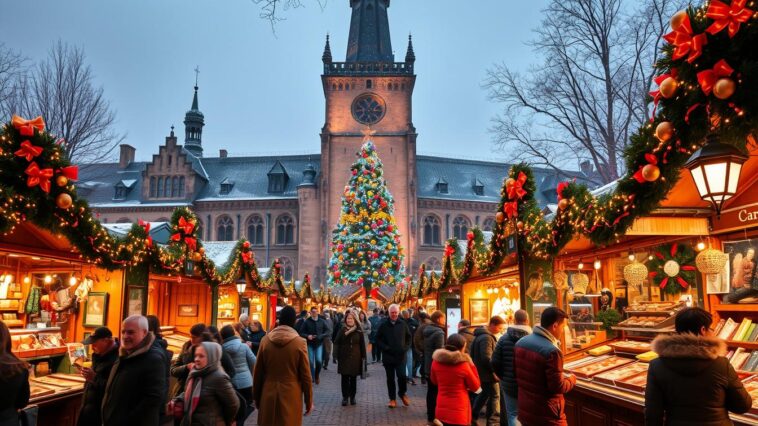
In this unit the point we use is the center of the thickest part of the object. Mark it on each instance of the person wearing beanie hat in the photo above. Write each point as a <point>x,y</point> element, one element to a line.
<point>282,375</point>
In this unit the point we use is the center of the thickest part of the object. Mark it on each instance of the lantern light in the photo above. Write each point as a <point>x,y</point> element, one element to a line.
<point>48,279</point>
<point>632,257</point>
<point>241,287</point>
<point>700,246</point>
<point>715,168</point>
<point>580,266</point>
<point>72,281</point>
<point>597,264</point>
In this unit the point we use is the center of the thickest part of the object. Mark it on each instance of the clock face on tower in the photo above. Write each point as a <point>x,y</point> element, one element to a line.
<point>368,108</point>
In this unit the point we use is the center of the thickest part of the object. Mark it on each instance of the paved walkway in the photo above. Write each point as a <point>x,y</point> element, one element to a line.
<point>372,403</point>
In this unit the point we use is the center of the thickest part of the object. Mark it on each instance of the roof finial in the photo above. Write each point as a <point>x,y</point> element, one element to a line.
<point>410,55</point>
<point>172,130</point>
<point>197,73</point>
<point>327,56</point>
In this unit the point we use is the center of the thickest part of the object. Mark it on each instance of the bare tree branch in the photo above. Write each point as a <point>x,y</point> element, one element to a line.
<point>12,67</point>
<point>271,9</point>
<point>590,92</point>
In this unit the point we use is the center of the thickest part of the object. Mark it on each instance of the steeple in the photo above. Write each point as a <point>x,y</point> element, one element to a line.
<point>410,55</point>
<point>369,32</point>
<point>193,126</point>
<point>327,56</point>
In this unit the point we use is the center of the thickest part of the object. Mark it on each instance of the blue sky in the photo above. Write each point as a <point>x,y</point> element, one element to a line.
<point>261,92</point>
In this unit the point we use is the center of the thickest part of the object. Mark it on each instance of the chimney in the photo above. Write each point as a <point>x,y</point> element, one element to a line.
<point>222,153</point>
<point>586,167</point>
<point>126,157</point>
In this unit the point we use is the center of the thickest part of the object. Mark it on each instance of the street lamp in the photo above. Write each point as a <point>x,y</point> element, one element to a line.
<point>715,168</point>
<point>241,287</point>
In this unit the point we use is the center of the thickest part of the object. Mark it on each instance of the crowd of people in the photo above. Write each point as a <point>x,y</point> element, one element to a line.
<point>221,376</point>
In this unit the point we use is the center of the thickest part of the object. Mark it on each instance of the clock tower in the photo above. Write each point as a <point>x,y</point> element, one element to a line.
<point>369,90</point>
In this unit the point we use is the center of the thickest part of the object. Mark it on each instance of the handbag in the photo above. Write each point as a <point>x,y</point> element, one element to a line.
<point>28,416</point>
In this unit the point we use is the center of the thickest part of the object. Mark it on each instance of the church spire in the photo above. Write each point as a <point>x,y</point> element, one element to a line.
<point>193,126</point>
<point>410,55</point>
<point>369,39</point>
<point>327,56</point>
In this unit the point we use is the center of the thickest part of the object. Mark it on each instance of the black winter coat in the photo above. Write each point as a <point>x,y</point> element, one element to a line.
<point>92,399</point>
<point>469,336</point>
<point>418,336</point>
<point>434,338</point>
<point>692,383</point>
<point>255,340</point>
<point>15,397</point>
<point>481,354</point>
<point>350,352</point>
<point>393,340</point>
<point>136,387</point>
<point>316,328</point>
<point>504,355</point>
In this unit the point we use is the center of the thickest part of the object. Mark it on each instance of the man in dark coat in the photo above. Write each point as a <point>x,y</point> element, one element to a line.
<point>418,341</point>
<point>481,353</point>
<point>314,330</point>
<point>434,338</point>
<point>692,382</point>
<point>375,320</point>
<point>105,354</point>
<point>464,329</point>
<point>539,372</point>
<point>415,363</point>
<point>136,387</point>
<point>328,339</point>
<point>502,363</point>
<point>394,339</point>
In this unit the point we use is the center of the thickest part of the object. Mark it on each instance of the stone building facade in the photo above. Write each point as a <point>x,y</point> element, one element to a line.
<point>286,206</point>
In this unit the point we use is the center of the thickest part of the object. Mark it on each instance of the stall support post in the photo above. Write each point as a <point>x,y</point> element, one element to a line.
<point>214,304</point>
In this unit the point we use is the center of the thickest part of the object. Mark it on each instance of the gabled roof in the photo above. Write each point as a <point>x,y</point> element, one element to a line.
<point>277,169</point>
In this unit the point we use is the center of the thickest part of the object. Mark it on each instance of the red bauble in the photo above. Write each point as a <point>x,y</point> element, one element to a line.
<point>246,244</point>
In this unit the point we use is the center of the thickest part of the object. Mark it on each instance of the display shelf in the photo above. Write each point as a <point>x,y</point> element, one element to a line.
<point>752,307</point>
<point>645,329</point>
<point>741,344</point>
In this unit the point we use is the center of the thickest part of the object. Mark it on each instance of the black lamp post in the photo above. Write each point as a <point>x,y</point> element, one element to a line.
<point>715,168</point>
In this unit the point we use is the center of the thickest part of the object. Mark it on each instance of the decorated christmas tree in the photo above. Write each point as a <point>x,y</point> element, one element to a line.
<point>365,244</point>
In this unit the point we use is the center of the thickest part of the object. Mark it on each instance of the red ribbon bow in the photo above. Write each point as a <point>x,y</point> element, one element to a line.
<point>517,190</point>
<point>725,15</point>
<point>71,172</point>
<point>186,226</point>
<point>708,78</point>
<point>449,250</point>
<point>185,231</point>
<point>38,176</point>
<point>559,189</point>
<point>656,94</point>
<point>146,227</point>
<point>26,127</point>
<point>651,159</point>
<point>247,256</point>
<point>510,209</point>
<point>685,42</point>
<point>28,150</point>
<point>190,241</point>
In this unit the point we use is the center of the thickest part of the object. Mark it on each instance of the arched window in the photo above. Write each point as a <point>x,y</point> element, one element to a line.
<point>460,227</point>
<point>224,229</point>
<point>489,224</point>
<point>181,186</point>
<point>433,264</point>
<point>167,187</point>
<point>432,231</point>
<point>174,186</point>
<point>152,186</point>
<point>287,270</point>
<point>285,230</point>
<point>255,230</point>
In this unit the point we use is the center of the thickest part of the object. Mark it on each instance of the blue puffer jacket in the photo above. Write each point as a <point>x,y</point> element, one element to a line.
<point>244,362</point>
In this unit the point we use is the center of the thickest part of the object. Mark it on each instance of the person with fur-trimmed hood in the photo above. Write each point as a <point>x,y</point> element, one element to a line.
<point>455,375</point>
<point>692,382</point>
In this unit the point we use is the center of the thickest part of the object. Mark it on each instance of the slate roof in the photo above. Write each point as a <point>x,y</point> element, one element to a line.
<point>249,177</point>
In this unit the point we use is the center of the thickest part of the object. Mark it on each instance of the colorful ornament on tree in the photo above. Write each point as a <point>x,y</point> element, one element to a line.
<point>650,171</point>
<point>63,201</point>
<point>672,267</point>
<point>664,131</point>
<point>724,88</point>
<point>668,87</point>
<point>729,16</point>
<point>677,19</point>
<point>720,71</point>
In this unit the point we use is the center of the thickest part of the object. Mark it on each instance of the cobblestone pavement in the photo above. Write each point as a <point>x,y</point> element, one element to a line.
<point>372,403</point>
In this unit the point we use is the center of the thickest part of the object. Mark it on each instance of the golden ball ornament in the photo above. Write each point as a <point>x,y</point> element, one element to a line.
<point>510,182</point>
<point>563,204</point>
<point>664,131</point>
<point>677,19</point>
<point>196,256</point>
<point>61,181</point>
<point>64,201</point>
<point>651,172</point>
<point>520,225</point>
<point>668,87</point>
<point>724,88</point>
<point>201,250</point>
<point>499,217</point>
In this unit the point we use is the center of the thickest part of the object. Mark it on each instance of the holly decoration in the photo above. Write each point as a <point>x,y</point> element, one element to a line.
<point>365,248</point>
<point>673,268</point>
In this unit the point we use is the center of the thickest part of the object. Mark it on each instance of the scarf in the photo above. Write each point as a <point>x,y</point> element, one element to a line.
<point>195,380</point>
<point>538,329</point>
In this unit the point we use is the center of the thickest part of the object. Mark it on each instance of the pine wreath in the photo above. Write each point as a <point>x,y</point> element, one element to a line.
<point>673,267</point>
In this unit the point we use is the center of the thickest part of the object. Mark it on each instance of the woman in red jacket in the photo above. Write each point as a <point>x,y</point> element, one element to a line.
<point>455,375</point>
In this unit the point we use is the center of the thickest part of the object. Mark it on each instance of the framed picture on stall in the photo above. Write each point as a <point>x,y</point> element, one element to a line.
<point>96,309</point>
<point>479,310</point>
<point>187,311</point>
<point>135,300</point>
<point>742,285</point>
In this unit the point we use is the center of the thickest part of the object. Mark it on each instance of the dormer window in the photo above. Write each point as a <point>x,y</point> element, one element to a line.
<point>120,193</point>
<point>442,186</point>
<point>226,186</point>
<point>478,187</point>
<point>122,188</point>
<point>277,179</point>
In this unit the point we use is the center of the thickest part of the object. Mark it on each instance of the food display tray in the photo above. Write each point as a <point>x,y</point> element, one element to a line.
<point>589,370</point>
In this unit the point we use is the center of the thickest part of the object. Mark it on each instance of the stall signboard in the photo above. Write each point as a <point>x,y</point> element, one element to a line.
<point>736,218</point>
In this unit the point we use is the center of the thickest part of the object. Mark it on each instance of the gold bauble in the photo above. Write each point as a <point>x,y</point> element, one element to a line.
<point>499,217</point>
<point>563,204</point>
<point>63,201</point>
<point>724,88</point>
<point>520,225</point>
<point>668,87</point>
<point>677,19</point>
<point>510,182</point>
<point>664,131</point>
<point>201,250</point>
<point>651,173</point>
<point>61,180</point>
<point>196,256</point>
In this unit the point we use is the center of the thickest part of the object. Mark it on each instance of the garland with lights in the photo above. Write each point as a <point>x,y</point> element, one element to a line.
<point>672,267</point>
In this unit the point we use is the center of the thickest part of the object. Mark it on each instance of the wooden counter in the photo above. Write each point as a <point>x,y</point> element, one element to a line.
<point>60,408</point>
